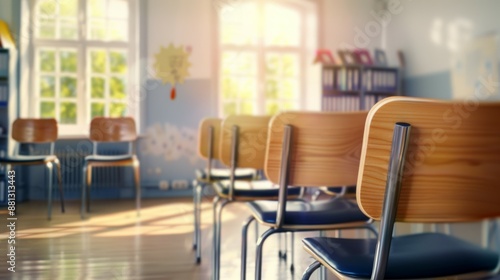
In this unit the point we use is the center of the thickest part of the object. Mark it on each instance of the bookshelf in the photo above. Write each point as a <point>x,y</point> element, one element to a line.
<point>357,87</point>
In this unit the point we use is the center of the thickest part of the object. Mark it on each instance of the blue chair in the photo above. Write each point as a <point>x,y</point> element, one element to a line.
<point>111,130</point>
<point>40,132</point>
<point>310,149</point>
<point>421,162</point>
<point>209,134</point>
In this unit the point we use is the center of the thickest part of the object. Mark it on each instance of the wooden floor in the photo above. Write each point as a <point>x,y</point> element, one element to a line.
<point>115,244</point>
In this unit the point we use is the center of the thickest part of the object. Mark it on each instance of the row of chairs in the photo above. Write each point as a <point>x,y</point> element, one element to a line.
<point>412,160</point>
<point>102,130</point>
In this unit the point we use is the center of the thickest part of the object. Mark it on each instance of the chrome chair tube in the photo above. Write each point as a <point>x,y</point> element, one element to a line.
<point>244,246</point>
<point>310,270</point>
<point>399,147</point>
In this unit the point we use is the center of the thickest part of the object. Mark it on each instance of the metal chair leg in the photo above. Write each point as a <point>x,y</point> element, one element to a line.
<point>292,251</point>
<point>218,231</point>
<point>244,245</point>
<point>137,183</point>
<point>258,252</point>
<point>84,188</point>
<point>195,217</point>
<point>59,180</point>
<point>197,214</point>
<point>88,184</point>
<point>214,235</point>
<point>49,207</point>
<point>310,270</point>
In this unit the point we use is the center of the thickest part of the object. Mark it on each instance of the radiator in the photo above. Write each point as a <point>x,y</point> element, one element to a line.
<point>102,177</point>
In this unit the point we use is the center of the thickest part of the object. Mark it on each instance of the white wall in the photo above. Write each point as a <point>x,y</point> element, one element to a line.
<point>183,22</point>
<point>344,22</point>
<point>429,30</point>
<point>6,11</point>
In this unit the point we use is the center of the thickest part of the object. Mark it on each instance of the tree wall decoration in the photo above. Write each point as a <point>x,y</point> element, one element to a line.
<point>171,66</point>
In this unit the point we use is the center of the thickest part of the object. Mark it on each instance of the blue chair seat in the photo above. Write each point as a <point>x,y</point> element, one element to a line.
<point>108,158</point>
<point>218,174</point>
<point>20,159</point>
<point>310,213</point>
<point>415,256</point>
<point>252,190</point>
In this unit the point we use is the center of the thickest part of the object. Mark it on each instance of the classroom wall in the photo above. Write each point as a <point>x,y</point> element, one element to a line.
<point>429,32</point>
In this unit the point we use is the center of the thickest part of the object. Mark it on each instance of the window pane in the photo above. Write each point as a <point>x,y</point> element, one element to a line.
<point>97,29</point>
<point>47,110</point>
<point>68,113</point>
<point>247,108</point>
<point>282,24</point>
<point>286,65</point>
<point>98,61</point>
<point>117,88</point>
<point>289,89</point>
<point>68,87</point>
<point>47,7</point>
<point>117,110</point>
<point>68,61</point>
<point>239,63</point>
<point>97,8</point>
<point>118,9</point>
<point>272,88</point>
<point>98,110</point>
<point>97,87</point>
<point>47,86</point>
<point>47,61</point>
<point>67,8</point>
<point>47,28</point>
<point>229,108</point>
<point>69,29</point>
<point>117,62</point>
<point>229,88</point>
<point>272,108</point>
<point>238,24</point>
<point>117,30</point>
<point>247,88</point>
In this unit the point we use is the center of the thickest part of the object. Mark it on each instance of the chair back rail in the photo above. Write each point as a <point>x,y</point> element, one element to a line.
<point>325,147</point>
<point>120,129</point>
<point>452,161</point>
<point>204,139</point>
<point>252,138</point>
<point>34,130</point>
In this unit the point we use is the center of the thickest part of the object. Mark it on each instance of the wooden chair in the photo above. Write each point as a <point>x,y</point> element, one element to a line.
<point>209,135</point>
<point>423,161</point>
<point>107,130</point>
<point>243,145</point>
<point>310,149</point>
<point>37,131</point>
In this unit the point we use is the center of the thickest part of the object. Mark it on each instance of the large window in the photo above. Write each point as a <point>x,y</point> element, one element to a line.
<point>82,61</point>
<point>262,56</point>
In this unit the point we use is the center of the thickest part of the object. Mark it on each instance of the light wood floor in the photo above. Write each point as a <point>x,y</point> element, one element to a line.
<point>115,244</point>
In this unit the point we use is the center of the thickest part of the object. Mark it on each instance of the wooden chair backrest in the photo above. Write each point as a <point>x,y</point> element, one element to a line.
<point>122,129</point>
<point>252,140</point>
<point>325,147</point>
<point>203,137</point>
<point>452,162</point>
<point>34,130</point>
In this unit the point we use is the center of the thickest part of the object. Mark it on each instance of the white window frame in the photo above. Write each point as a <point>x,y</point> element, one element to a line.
<point>30,45</point>
<point>306,73</point>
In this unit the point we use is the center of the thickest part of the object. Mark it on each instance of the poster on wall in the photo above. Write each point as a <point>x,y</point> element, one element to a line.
<point>171,66</point>
<point>474,73</point>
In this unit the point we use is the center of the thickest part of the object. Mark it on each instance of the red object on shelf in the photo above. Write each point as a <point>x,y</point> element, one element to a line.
<point>363,57</point>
